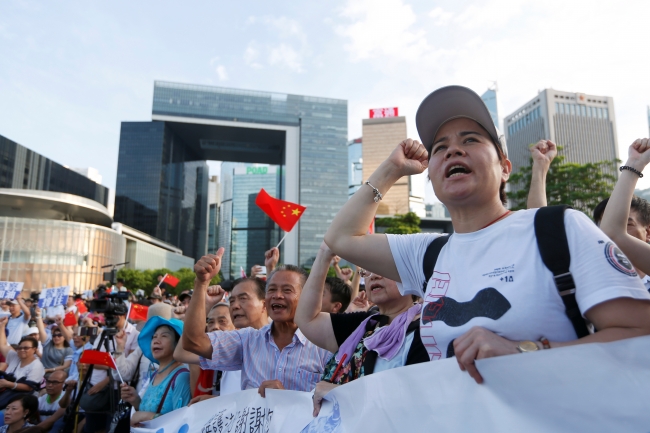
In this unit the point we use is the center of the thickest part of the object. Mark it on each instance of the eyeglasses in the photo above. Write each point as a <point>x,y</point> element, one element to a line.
<point>57,335</point>
<point>364,273</point>
<point>25,347</point>
<point>53,382</point>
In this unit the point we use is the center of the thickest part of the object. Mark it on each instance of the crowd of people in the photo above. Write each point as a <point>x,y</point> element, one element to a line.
<point>484,291</point>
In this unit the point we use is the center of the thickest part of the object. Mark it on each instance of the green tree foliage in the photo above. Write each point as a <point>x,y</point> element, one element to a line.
<point>146,280</point>
<point>581,186</point>
<point>400,224</point>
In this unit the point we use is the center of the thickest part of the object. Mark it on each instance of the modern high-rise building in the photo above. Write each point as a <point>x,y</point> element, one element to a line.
<point>380,137</point>
<point>162,179</point>
<point>214,198</point>
<point>22,168</point>
<point>355,165</point>
<point>584,125</point>
<point>490,99</point>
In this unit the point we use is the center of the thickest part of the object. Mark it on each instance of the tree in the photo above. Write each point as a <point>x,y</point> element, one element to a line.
<point>148,279</point>
<point>581,186</point>
<point>400,224</point>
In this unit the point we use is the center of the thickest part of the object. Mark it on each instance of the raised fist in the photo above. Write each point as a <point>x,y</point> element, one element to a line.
<point>271,259</point>
<point>213,296</point>
<point>638,154</point>
<point>543,152</point>
<point>409,157</point>
<point>208,266</point>
<point>344,273</point>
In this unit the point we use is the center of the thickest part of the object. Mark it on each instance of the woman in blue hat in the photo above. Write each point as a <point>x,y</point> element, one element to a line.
<point>169,388</point>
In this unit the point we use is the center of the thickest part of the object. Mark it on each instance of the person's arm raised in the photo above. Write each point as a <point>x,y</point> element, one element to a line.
<point>25,308</point>
<point>347,235</point>
<point>316,326</point>
<point>194,338</point>
<point>4,346</point>
<point>42,335</point>
<point>543,154</point>
<point>617,212</point>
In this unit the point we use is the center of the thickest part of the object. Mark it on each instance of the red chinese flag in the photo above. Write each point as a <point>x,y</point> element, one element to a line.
<point>284,213</point>
<point>81,307</point>
<point>172,280</point>
<point>97,358</point>
<point>138,312</point>
<point>70,319</point>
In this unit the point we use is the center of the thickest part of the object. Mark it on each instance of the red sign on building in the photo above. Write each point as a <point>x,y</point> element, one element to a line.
<point>376,113</point>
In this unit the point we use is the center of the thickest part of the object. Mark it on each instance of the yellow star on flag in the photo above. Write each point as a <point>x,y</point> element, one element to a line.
<point>295,212</point>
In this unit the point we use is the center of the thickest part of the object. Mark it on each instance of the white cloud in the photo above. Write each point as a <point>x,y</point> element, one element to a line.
<point>286,44</point>
<point>382,28</point>
<point>252,54</point>
<point>221,73</point>
<point>440,16</point>
<point>285,56</point>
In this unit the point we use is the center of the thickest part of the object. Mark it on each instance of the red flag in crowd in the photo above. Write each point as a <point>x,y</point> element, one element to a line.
<point>284,213</point>
<point>171,280</point>
<point>97,358</point>
<point>138,312</point>
<point>242,273</point>
<point>70,319</point>
<point>81,307</point>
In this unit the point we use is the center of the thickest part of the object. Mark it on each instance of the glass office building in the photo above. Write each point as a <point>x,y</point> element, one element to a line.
<point>22,168</point>
<point>199,123</point>
<point>490,99</point>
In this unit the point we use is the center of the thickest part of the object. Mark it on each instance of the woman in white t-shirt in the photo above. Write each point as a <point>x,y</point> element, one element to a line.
<point>490,293</point>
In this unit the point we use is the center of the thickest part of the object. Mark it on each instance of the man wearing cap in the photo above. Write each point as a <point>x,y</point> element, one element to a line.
<point>18,320</point>
<point>275,356</point>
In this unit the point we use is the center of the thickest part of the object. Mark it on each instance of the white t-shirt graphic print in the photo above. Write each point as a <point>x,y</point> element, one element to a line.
<point>495,278</point>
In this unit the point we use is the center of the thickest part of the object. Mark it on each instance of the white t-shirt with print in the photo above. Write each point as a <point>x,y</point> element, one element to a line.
<point>495,278</point>
<point>48,408</point>
<point>34,371</point>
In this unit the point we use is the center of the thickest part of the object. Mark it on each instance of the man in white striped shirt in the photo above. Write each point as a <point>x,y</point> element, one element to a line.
<point>275,356</point>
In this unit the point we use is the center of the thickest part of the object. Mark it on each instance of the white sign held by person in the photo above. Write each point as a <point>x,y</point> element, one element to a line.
<point>53,297</point>
<point>598,387</point>
<point>243,412</point>
<point>10,289</point>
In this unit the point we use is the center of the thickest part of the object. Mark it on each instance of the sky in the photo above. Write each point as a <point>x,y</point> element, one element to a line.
<point>71,71</point>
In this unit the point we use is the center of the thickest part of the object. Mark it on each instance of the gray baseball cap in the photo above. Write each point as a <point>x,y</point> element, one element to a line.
<point>453,102</point>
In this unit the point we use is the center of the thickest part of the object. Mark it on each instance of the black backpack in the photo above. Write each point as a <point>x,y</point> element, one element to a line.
<point>554,249</point>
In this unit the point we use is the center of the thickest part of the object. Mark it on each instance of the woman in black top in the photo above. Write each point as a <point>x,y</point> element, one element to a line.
<point>363,342</point>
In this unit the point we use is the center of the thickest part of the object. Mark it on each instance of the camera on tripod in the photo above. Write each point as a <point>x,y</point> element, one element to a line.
<point>111,305</point>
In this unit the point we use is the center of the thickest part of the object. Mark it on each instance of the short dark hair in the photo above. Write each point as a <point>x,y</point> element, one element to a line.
<point>639,205</point>
<point>290,268</point>
<point>31,340</point>
<point>599,210</point>
<point>30,404</point>
<point>260,286</point>
<point>340,291</point>
<point>642,208</point>
<point>120,280</point>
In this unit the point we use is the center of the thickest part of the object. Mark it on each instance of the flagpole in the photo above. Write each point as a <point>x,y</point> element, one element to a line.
<point>161,281</point>
<point>116,369</point>
<point>282,240</point>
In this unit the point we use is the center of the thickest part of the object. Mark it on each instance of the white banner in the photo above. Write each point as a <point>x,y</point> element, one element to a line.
<point>10,289</point>
<point>584,388</point>
<point>53,297</point>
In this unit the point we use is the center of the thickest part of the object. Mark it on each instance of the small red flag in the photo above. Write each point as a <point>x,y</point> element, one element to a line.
<point>172,280</point>
<point>98,358</point>
<point>70,319</point>
<point>138,312</point>
<point>81,307</point>
<point>284,213</point>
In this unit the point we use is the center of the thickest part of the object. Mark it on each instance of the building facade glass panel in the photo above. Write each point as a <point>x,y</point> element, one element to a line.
<point>22,168</point>
<point>46,253</point>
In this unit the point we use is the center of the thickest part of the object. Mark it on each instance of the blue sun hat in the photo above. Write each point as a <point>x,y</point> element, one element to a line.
<point>146,335</point>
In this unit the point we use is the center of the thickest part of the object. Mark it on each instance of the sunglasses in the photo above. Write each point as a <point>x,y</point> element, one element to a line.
<point>57,335</point>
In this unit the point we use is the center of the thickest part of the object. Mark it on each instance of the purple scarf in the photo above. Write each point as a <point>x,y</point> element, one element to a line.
<point>387,341</point>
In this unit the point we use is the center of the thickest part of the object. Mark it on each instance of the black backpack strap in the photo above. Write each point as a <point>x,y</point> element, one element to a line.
<point>554,249</point>
<point>431,257</point>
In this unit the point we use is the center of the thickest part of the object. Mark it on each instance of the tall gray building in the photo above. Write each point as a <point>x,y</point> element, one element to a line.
<point>584,125</point>
<point>162,177</point>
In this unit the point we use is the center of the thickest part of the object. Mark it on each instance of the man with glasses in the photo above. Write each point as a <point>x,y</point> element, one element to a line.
<point>48,404</point>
